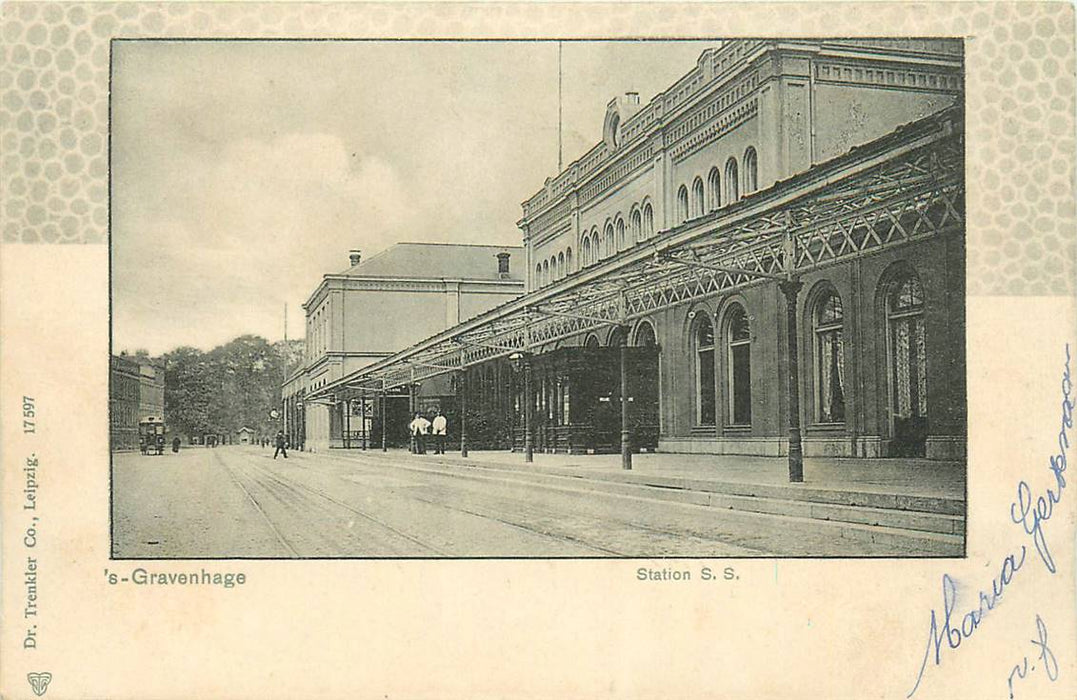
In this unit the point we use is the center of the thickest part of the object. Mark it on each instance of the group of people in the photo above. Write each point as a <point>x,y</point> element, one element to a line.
<point>421,427</point>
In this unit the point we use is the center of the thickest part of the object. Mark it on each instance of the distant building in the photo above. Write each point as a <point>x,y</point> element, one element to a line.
<point>123,399</point>
<point>377,306</point>
<point>136,392</point>
<point>245,436</point>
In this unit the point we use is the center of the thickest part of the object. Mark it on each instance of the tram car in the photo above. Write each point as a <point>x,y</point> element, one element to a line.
<point>151,435</point>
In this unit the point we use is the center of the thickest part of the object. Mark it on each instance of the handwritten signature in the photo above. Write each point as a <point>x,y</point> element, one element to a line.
<point>1031,516</point>
<point>1047,657</point>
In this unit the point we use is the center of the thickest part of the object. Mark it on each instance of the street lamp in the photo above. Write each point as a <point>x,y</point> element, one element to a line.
<point>522,358</point>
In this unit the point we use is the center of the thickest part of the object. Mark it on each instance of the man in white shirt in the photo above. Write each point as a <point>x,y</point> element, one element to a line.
<point>419,427</point>
<point>440,429</point>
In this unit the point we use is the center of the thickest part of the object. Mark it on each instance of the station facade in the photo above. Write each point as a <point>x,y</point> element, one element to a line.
<point>780,234</point>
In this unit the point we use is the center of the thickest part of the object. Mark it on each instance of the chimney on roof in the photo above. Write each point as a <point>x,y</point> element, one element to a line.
<point>355,255</point>
<point>503,265</point>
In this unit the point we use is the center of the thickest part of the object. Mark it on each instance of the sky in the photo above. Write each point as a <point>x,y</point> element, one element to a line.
<point>244,171</point>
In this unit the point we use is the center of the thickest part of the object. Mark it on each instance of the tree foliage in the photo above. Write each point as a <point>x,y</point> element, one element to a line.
<point>232,386</point>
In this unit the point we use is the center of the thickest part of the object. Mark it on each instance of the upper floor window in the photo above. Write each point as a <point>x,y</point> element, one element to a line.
<point>585,259</point>
<point>714,188</point>
<point>698,205</point>
<point>751,171</point>
<point>648,220</point>
<point>637,225</point>
<point>610,243</point>
<point>621,242</point>
<point>732,193</point>
<point>560,265</point>
<point>682,204</point>
<point>538,275</point>
<point>568,261</point>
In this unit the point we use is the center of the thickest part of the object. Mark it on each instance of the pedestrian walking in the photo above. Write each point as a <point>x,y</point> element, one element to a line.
<point>440,428</point>
<point>175,444</point>
<point>281,445</point>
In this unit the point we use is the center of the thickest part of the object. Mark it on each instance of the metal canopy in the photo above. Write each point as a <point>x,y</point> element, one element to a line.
<point>904,187</point>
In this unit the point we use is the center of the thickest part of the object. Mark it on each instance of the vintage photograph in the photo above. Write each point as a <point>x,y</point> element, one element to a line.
<point>537,299</point>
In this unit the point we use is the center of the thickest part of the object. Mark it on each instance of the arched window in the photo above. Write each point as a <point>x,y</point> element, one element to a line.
<point>698,205</point>
<point>648,220</point>
<point>610,244</point>
<point>636,223</point>
<point>560,265</point>
<point>829,358</point>
<point>908,364</point>
<point>585,258</point>
<point>595,249</point>
<point>714,188</point>
<point>739,362</point>
<point>645,337</point>
<point>615,338</point>
<point>591,342</point>
<point>538,276</point>
<point>751,171</point>
<point>682,204</point>
<point>568,261</point>
<point>703,338</point>
<point>545,272</point>
<point>732,194</point>
<point>553,269</point>
<point>621,242</point>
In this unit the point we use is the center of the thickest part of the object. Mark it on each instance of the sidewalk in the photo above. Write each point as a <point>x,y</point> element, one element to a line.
<point>896,477</point>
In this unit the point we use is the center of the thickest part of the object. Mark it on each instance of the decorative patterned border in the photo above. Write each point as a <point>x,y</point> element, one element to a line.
<point>1020,88</point>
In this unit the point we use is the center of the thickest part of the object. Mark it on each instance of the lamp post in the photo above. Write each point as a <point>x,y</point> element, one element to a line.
<point>521,358</point>
<point>790,288</point>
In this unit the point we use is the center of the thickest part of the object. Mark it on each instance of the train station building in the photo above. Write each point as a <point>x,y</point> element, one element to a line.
<point>767,258</point>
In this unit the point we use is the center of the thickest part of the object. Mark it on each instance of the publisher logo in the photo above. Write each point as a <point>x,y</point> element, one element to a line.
<point>39,682</point>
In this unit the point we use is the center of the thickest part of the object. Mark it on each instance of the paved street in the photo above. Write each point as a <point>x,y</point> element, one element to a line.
<point>239,502</point>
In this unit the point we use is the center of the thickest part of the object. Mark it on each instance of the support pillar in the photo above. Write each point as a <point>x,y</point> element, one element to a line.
<point>347,424</point>
<point>384,420</point>
<point>529,409</point>
<point>791,288</point>
<point>362,417</point>
<point>626,444</point>
<point>461,388</point>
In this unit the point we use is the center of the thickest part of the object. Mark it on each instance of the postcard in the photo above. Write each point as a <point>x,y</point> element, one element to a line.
<point>536,350</point>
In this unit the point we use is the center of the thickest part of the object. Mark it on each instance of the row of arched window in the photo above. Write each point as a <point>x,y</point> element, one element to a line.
<point>906,355</point>
<point>703,199</point>
<point>549,271</point>
<point>617,235</point>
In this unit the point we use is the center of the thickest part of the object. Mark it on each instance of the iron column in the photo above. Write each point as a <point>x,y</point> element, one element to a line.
<point>626,447</point>
<point>528,409</point>
<point>362,418</point>
<point>462,389</point>
<point>791,288</point>
<point>384,419</point>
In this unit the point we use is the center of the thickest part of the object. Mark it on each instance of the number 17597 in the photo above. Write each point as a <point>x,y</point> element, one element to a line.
<point>28,414</point>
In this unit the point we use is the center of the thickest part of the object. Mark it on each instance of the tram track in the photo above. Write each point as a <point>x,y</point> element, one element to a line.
<point>294,485</point>
<point>258,507</point>
<point>479,475</point>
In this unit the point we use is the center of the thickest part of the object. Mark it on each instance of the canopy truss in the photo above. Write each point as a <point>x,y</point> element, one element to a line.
<point>904,187</point>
